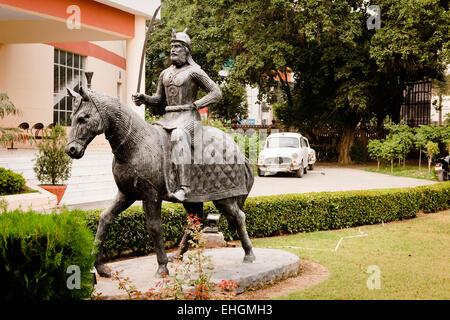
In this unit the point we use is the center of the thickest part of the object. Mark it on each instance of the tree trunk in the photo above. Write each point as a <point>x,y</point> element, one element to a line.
<point>345,144</point>
<point>392,166</point>
<point>420,158</point>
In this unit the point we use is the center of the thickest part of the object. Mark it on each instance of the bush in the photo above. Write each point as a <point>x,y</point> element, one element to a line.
<point>10,182</point>
<point>359,152</point>
<point>128,233</point>
<point>52,165</point>
<point>435,197</point>
<point>281,214</point>
<point>293,213</point>
<point>36,251</point>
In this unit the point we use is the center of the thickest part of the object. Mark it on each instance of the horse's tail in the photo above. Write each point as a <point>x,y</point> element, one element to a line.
<point>249,179</point>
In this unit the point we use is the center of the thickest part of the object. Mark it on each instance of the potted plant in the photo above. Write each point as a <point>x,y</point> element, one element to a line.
<point>52,165</point>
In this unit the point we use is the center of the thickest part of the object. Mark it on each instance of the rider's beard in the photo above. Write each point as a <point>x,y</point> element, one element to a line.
<point>178,59</point>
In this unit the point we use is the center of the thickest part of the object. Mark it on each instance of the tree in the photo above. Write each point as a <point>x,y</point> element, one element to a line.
<point>345,74</point>
<point>10,135</point>
<point>432,149</point>
<point>6,106</point>
<point>375,150</point>
<point>440,88</point>
<point>412,44</point>
<point>391,150</point>
<point>404,137</point>
<point>52,165</point>
<point>233,104</point>
<point>420,140</point>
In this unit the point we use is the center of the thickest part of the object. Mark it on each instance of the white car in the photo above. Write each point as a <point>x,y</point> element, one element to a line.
<point>312,155</point>
<point>284,152</point>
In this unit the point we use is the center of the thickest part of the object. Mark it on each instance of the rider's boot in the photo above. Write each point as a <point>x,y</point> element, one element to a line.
<point>184,176</point>
<point>180,194</point>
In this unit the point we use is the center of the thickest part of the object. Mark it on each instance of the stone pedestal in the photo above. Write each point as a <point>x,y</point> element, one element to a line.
<point>213,240</point>
<point>270,266</point>
<point>211,236</point>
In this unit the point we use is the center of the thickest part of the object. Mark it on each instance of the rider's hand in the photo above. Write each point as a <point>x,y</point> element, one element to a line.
<point>138,98</point>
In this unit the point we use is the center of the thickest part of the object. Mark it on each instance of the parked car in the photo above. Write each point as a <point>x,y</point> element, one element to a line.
<point>284,152</point>
<point>312,158</point>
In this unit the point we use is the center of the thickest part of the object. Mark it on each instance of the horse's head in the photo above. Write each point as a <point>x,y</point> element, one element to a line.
<point>86,124</point>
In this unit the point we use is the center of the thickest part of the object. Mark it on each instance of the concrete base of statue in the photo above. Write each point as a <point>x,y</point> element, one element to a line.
<point>270,266</point>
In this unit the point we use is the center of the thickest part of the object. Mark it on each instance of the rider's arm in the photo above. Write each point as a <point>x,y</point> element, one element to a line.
<point>212,89</point>
<point>159,96</point>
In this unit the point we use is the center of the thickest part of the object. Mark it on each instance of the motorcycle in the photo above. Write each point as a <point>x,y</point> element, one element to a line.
<point>442,168</point>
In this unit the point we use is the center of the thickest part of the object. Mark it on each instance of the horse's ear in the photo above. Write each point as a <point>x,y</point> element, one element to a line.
<point>84,94</point>
<point>72,93</point>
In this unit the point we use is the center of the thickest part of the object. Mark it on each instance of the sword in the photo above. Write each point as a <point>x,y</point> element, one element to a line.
<point>147,36</point>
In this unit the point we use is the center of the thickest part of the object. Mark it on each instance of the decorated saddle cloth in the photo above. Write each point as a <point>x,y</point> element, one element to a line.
<point>218,169</point>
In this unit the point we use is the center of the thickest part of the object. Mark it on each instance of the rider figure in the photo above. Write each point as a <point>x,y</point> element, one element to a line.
<point>177,85</point>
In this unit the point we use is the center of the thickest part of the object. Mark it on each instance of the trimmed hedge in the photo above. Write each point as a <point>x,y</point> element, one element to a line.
<point>281,214</point>
<point>36,251</point>
<point>10,182</point>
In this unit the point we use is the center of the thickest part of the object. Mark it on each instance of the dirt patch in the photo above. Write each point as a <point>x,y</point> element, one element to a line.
<point>311,273</point>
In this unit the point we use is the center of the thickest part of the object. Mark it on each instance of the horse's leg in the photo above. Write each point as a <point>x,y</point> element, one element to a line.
<point>152,208</point>
<point>191,208</point>
<point>229,207</point>
<point>121,202</point>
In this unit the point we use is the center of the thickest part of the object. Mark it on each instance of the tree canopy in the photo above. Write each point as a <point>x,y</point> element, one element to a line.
<point>344,73</point>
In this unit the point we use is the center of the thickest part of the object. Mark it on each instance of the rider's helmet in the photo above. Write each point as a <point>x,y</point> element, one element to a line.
<point>181,37</point>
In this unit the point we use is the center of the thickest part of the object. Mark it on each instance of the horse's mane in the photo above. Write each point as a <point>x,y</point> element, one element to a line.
<point>107,105</point>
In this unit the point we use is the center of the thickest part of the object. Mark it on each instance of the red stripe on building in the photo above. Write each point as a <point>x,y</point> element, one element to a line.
<point>92,50</point>
<point>93,13</point>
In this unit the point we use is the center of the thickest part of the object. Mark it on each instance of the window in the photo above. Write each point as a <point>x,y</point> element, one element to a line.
<point>68,72</point>
<point>282,142</point>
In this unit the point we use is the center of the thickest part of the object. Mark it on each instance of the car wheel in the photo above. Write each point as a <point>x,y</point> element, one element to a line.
<point>311,167</point>
<point>299,173</point>
<point>260,173</point>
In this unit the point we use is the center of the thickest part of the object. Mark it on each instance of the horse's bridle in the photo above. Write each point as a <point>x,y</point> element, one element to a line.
<point>102,120</point>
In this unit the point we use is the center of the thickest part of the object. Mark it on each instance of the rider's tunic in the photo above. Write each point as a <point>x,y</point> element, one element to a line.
<point>179,87</point>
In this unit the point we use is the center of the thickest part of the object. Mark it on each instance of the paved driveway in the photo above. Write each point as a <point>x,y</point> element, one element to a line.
<point>324,178</point>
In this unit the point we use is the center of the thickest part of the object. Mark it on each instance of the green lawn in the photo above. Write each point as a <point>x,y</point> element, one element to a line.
<point>408,171</point>
<point>413,257</point>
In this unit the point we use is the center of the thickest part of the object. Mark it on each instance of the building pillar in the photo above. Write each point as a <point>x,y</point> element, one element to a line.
<point>134,52</point>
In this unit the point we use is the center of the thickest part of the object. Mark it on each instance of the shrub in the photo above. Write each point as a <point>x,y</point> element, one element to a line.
<point>359,152</point>
<point>10,182</point>
<point>36,251</point>
<point>281,214</point>
<point>52,164</point>
<point>435,197</point>
<point>128,233</point>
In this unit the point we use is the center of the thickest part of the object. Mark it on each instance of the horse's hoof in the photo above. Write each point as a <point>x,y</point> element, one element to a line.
<point>162,271</point>
<point>249,258</point>
<point>103,271</point>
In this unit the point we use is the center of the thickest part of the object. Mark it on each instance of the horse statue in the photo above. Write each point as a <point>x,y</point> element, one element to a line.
<point>143,170</point>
